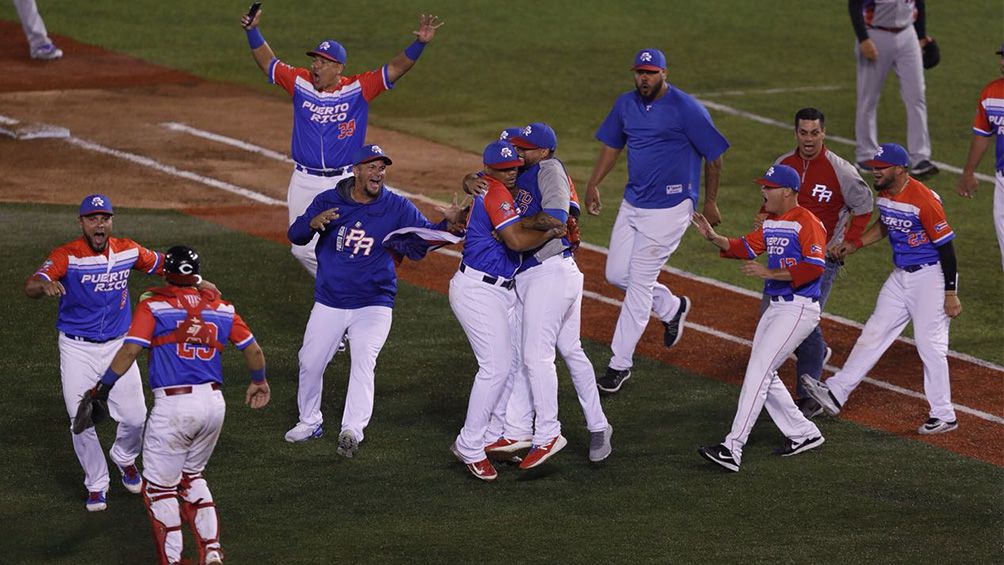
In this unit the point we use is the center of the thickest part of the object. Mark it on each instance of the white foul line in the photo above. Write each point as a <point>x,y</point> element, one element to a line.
<point>820,88</point>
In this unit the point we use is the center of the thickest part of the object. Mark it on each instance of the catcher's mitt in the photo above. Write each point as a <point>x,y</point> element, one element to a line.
<point>93,408</point>
<point>931,54</point>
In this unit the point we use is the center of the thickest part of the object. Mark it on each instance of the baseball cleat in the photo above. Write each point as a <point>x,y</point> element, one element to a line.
<point>791,448</point>
<point>131,479</point>
<point>937,426</point>
<point>612,381</point>
<point>924,168</point>
<point>506,446</point>
<point>213,556</point>
<point>809,407</point>
<point>719,455</point>
<point>540,453</point>
<point>599,444</point>
<point>348,445</point>
<point>674,327</point>
<point>821,394</point>
<point>343,345</point>
<point>96,501</point>
<point>47,52</point>
<point>480,469</point>
<point>303,432</point>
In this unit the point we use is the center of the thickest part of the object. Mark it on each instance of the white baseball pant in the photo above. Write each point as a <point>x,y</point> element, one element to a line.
<point>917,297</point>
<point>367,329</point>
<point>487,313</point>
<point>901,53</point>
<point>999,212</point>
<point>781,329</point>
<point>32,24</point>
<point>81,364</point>
<point>303,188</point>
<point>641,242</point>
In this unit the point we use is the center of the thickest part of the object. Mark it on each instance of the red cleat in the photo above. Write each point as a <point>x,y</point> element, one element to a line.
<point>507,446</point>
<point>540,453</point>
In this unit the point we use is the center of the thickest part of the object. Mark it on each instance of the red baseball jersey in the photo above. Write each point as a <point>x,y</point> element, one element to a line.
<point>916,224</point>
<point>989,120</point>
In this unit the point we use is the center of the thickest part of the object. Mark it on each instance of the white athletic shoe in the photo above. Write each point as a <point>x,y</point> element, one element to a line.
<point>791,448</point>
<point>348,445</point>
<point>131,479</point>
<point>213,556</point>
<point>303,432</point>
<point>96,501</point>
<point>599,444</point>
<point>47,52</point>
<point>821,394</point>
<point>936,426</point>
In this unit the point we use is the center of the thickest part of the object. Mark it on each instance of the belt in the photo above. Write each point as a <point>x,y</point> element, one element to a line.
<point>322,172</point>
<point>890,29</point>
<point>89,340</point>
<point>176,390</point>
<point>915,268</point>
<point>496,281</point>
<point>791,297</point>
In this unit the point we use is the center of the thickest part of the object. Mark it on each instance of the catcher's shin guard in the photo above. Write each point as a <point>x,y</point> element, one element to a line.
<point>199,511</point>
<point>165,518</point>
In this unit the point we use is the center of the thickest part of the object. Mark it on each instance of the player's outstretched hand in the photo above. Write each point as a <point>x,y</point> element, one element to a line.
<point>427,26</point>
<point>593,203</point>
<point>455,213</point>
<point>953,306</point>
<point>842,250</point>
<point>247,23</point>
<point>754,269</point>
<point>321,220</point>
<point>966,187</point>
<point>258,395</point>
<point>703,226</point>
<point>474,185</point>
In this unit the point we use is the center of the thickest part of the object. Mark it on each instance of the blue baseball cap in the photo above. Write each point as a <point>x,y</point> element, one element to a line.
<point>501,155</point>
<point>649,60</point>
<point>780,176</point>
<point>889,155</point>
<point>537,135</point>
<point>509,133</point>
<point>329,49</point>
<point>369,153</point>
<point>96,204</point>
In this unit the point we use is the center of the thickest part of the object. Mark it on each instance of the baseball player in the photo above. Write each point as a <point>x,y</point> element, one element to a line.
<point>922,290</point>
<point>667,134</point>
<point>988,124</point>
<point>330,112</point>
<point>39,45</point>
<point>833,190</point>
<point>795,242</point>
<point>185,330</point>
<point>482,297</point>
<point>90,275</point>
<point>891,34</point>
<point>354,292</point>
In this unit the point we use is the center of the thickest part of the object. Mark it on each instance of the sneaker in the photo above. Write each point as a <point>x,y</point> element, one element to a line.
<point>131,479</point>
<point>96,501</point>
<point>481,469</point>
<point>613,379</point>
<point>937,426</point>
<point>809,407</point>
<point>599,444</point>
<point>348,445</point>
<point>303,432</point>
<point>924,168</point>
<point>214,556</point>
<point>719,455</point>
<point>791,448</point>
<point>540,453</point>
<point>47,52</point>
<point>674,328</point>
<point>344,344</point>
<point>821,394</point>
<point>506,446</point>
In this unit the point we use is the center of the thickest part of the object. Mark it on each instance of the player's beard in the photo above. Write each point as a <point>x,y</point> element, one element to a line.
<point>655,91</point>
<point>94,246</point>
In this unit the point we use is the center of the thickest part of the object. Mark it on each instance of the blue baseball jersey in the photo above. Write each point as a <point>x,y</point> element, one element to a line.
<point>330,126</point>
<point>173,363</point>
<point>544,187</point>
<point>989,120</point>
<point>666,140</point>
<point>915,222</point>
<point>494,211</point>
<point>354,270</point>
<point>96,304</point>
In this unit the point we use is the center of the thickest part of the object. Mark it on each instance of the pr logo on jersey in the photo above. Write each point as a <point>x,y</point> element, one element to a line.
<point>356,239</point>
<point>323,114</point>
<point>821,193</point>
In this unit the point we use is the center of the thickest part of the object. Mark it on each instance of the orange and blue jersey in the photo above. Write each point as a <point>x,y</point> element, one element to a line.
<point>494,211</point>
<point>796,241</point>
<point>989,120</point>
<point>96,305</point>
<point>916,224</point>
<point>330,126</point>
<point>176,363</point>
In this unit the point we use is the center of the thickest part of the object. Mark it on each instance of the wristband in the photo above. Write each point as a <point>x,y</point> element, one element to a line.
<point>258,376</point>
<point>110,377</point>
<point>255,39</point>
<point>414,51</point>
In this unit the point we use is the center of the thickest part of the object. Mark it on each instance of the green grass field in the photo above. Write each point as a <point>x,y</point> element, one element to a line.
<point>866,496</point>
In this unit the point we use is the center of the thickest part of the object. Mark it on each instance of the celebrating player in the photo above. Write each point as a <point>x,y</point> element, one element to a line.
<point>90,275</point>
<point>330,112</point>
<point>185,330</point>
<point>354,292</point>
<point>667,134</point>
<point>922,290</point>
<point>794,241</point>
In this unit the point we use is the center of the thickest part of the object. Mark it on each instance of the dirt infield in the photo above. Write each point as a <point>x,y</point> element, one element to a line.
<point>121,103</point>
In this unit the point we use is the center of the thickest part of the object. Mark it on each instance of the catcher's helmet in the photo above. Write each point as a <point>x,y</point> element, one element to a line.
<point>181,260</point>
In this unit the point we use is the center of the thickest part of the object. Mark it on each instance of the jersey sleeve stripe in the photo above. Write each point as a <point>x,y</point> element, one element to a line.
<point>137,341</point>
<point>156,263</point>
<point>507,223</point>
<point>981,132</point>
<point>271,69</point>
<point>815,261</point>
<point>943,239</point>
<point>386,78</point>
<point>749,249</point>
<point>242,345</point>
<point>43,275</point>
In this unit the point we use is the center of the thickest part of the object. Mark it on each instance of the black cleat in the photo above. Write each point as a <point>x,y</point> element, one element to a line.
<point>612,381</point>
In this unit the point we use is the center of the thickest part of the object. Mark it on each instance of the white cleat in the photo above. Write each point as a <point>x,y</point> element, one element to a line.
<point>47,52</point>
<point>821,394</point>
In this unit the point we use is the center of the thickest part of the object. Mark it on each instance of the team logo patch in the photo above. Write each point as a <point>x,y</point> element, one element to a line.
<point>505,207</point>
<point>506,152</point>
<point>378,150</point>
<point>324,46</point>
<point>770,171</point>
<point>646,56</point>
<point>879,154</point>
<point>192,299</point>
<point>97,201</point>
<point>816,249</point>
<point>527,130</point>
<point>941,226</point>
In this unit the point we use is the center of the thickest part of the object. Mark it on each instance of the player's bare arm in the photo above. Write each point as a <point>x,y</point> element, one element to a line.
<point>605,161</point>
<point>262,53</point>
<point>712,179</point>
<point>875,233</point>
<point>405,60</point>
<point>474,184</point>
<point>125,357</point>
<point>258,393</point>
<point>541,221</point>
<point>966,187</point>
<point>37,286</point>
<point>759,270</point>
<point>520,238</point>
<point>707,232</point>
